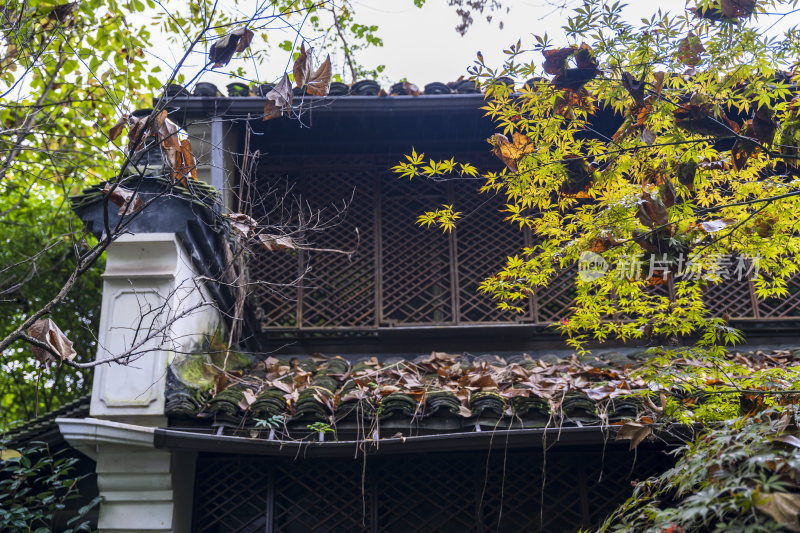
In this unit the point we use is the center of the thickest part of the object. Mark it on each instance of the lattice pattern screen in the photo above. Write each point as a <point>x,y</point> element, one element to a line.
<point>501,491</point>
<point>401,274</point>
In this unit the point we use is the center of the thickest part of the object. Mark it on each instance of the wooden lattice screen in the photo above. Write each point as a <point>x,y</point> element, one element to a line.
<point>503,491</point>
<point>403,275</point>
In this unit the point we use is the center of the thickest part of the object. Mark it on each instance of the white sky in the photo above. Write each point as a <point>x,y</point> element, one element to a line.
<point>421,44</point>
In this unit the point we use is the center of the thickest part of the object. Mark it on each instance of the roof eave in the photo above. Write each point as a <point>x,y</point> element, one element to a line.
<point>448,442</point>
<point>253,105</point>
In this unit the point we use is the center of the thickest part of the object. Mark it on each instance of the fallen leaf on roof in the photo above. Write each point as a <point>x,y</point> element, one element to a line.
<point>411,89</point>
<point>248,399</point>
<point>128,200</point>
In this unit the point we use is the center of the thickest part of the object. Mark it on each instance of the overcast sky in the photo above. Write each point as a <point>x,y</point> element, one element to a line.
<point>423,46</point>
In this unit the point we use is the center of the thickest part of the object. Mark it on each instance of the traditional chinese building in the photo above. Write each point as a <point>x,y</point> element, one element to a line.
<point>382,392</point>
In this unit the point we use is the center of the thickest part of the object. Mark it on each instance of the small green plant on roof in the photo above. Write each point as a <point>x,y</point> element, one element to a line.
<point>35,484</point>
<point>273,422</point>
<point>320,427</point>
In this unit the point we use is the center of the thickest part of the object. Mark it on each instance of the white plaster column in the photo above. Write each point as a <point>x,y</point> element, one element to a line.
<point>149,288</point>
<point>144,490</point>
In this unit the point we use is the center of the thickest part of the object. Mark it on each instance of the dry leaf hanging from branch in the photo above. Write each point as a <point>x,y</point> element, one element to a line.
<point>652,211</point>
<point>319,84</point>
<point>221,52</point>
<point>279,99</point>
<point>46,331</point>
<point>726,10</point>
<point>242,223</point>
<point>303,66</point>
<point>116,129</point>
<point>690,50</point>
<point>276,242</point>
<point>634,432</point>
<point>127,200</point>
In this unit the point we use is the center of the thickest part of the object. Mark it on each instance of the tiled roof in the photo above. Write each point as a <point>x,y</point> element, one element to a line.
<point>431,394</point>
<point>435,394</point>
<point>198,192</point>
<point>44,427</point>
<point>359,88</point>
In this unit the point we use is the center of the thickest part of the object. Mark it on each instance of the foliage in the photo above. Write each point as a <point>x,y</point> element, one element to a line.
<point>273,422</point>
<point>653,153</point>
<point>34,485</point>
<point>66,71</point>
<point>694,180</point>
<point>739,476</point>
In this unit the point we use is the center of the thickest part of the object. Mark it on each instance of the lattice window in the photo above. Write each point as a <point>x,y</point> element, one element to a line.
<point>502,490</point>
<point>783,307</point>
<point>416,264</point>
<point>400,274</point>
<point>403,275</point>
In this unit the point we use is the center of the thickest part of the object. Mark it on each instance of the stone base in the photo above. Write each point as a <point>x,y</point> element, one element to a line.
<point>144,489</point>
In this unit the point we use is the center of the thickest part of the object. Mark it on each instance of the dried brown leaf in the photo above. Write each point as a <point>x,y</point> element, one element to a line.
<point>221,52</point>
<point>46,331</point>
<point>283,386</point>
<point>690,50</point>
<point>555,61</point>
<point>303,66</point>
<point>667,193</point>
<point>411,89</point>
<point>783,507</point>
<point>273,243</point>
<point>116,129</point>
<point>248,399</point>
<point>652,212</point>
<point>634,432</point>
<point>509,152</point>
<point>320,81</point>
<point>127,200</point>
<point>279,99</point>
<point>243,224</point>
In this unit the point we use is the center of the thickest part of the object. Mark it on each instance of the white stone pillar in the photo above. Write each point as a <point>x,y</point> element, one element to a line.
<point>144,490</point>
<point>150,288</point>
